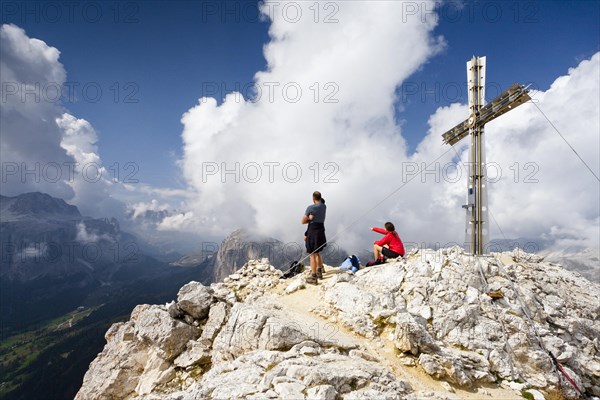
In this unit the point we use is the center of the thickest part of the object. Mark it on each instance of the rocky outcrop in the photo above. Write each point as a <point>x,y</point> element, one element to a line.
<point>232,340</point>
<point>467,322</point>
<point>306,370</point>
<point>138,355</point>
<point>240,247</point>
<point>475,321</point>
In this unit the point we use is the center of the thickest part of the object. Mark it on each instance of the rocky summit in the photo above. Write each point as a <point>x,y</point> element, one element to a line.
<point>436,324</point>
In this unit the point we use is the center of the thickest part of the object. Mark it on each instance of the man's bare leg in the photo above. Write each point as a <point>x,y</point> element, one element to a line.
<point>314,263</point>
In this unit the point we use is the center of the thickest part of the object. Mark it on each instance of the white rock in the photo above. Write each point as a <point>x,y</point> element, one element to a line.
<point>196,353</point>
<point>410,336</point>
<point>156,372</point>
<point>154,326</point>
<point>322,392</point>
<point>516,386</point>
<point>217,316</point>
<point>430,304</point>
<point>445,367</point>
<point>263,267</point>
<point>448,387</point>
<point>296,284</point>
<point>195,299</point>
<point>472,295</point>
<point>537,395</point>
<point>290,390</point>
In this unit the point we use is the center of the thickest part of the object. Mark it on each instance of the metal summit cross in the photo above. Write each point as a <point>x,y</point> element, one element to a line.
<point>477,226</point>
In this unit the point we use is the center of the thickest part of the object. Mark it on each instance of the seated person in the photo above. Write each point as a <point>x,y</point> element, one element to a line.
<point>390,246</point>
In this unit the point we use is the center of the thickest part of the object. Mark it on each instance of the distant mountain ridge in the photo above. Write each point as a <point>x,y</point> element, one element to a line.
<point>584,261</point>
<point>43,236</point>
<point>53,262</point>
<point>242,245</point>
<point>37,203</point>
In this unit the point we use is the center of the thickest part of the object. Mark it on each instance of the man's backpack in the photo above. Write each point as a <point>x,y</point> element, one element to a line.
<point>351,263</point>
<point>296,268</point>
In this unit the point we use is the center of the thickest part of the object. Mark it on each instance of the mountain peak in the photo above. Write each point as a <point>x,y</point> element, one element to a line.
<point>242,245</point>
<point>38,203</point>
<point>435,324</point>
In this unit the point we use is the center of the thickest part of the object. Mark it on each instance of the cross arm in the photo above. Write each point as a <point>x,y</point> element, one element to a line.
<point>457,133</point>
<point>511,98</point>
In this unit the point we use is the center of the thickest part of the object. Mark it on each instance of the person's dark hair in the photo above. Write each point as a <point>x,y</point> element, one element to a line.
<point>317,196</point>
<point>389,227</point>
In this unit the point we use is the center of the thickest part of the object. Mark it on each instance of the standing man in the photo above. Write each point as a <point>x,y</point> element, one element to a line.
<point>315,236</point>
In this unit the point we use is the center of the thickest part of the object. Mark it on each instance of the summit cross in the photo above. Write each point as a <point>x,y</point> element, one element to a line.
<point>477,230</point>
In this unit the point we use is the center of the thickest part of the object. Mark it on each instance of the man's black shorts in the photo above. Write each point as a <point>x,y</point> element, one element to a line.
<point>315,237</point>
<point>389,253</point>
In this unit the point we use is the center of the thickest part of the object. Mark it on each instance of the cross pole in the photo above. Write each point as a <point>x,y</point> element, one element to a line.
<point>477,227</point>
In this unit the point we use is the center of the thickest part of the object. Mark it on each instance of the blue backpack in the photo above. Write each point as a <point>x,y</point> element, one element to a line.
<point>351,263</point>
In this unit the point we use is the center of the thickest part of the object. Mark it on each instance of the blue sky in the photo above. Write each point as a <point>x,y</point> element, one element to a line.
<point>162,54</point>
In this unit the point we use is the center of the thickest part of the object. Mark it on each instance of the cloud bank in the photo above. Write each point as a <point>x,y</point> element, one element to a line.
<point>328,124</point>
<point>44,147</point>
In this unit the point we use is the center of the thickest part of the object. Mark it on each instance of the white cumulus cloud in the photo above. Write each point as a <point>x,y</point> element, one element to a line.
<point>323,118</point>
<point>241,158</point>
<point>45,148</point>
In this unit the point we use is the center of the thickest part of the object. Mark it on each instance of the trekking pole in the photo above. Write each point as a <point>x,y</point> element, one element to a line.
<point>374,207</point>
<point>557,364</point>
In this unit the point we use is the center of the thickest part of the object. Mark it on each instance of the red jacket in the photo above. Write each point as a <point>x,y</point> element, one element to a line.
<point>391,239</point>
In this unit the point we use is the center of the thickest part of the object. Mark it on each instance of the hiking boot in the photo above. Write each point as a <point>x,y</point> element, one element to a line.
<point>320,273</point>
<point>312,279</point>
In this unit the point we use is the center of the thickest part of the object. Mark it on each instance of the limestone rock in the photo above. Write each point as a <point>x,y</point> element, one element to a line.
<point>195,299</point>
<point>537,395</point>
<point>296,284</point>
<point>217,316</point>
<point>138,355</point>
<point>236,340</point>
<point>174,310</point>
<point>154,326</point>
<point>251,327</point>
<point>156,372</point>
<point>322,392</point>
<point>410,336</point>
<point>446,300</point>
<point>195,353</point>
